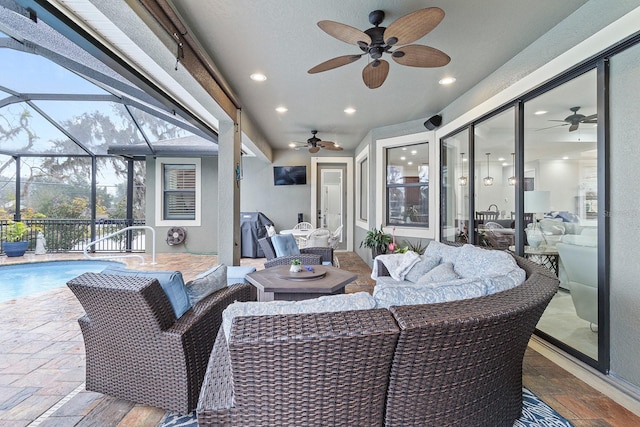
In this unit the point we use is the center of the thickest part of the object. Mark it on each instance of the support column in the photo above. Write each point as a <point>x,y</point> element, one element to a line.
<point>229,192</point>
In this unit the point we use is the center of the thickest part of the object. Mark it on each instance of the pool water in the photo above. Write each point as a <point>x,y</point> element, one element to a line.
<point>20,280</point>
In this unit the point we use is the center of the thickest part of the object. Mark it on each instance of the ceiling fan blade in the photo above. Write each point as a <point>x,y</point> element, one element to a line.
<point>334,63</point>
<point>344,32</point>
<point>416,55</point>
<point>314,149</point>
<point>590,119</point>
<point>551,127</point>
<point>413,26</point>
<point>328,145</point>
<point>573,127</point>
<point>374,76</point>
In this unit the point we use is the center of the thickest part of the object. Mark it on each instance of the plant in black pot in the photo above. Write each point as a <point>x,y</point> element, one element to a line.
<point>15,243</point>
<point>377,240</point>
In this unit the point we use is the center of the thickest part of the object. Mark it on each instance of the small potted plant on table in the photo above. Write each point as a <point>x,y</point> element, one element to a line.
<point>15,245</point>
<point>296,266</point>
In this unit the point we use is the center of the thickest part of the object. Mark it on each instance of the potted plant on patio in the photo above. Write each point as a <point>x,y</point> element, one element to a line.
<point>377,240</point>
<point>15,245</point>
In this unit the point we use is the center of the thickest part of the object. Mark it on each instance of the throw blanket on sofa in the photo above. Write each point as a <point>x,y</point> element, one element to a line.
<point>397,264</point>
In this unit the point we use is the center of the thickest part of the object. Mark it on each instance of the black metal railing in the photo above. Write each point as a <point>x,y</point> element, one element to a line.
<point>72,235</point>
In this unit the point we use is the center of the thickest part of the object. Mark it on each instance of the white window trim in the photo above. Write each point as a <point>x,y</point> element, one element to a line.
<point>360,157</point>
<point>381,177</point>
<point>160,162</point>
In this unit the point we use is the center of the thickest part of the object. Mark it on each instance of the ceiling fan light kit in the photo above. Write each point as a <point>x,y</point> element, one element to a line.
<point>377,40</point>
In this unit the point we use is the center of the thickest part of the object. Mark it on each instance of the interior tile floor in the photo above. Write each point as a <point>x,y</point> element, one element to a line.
<point>42,360</point>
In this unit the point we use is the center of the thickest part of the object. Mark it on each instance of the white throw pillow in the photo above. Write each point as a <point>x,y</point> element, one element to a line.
<point>442,273</point>
<point>426,264</point>
<point>477,262</point>
<point>447,253</point>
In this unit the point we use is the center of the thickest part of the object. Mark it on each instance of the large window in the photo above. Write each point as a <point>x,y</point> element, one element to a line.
<point>362,189</point>
<point>179,181</point>
<point>407,185</point>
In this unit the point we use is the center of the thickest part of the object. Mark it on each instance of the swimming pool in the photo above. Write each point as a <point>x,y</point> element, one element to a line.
<point>20,280</point>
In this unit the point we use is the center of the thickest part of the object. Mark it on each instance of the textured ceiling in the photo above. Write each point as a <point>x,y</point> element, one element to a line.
<point>281,39</point>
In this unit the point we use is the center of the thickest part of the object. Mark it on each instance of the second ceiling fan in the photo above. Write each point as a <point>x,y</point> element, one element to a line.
<point>315,144</point>
<point>377,41</point>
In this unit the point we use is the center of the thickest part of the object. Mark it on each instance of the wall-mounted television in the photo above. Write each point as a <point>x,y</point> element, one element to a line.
<point>290,175</point>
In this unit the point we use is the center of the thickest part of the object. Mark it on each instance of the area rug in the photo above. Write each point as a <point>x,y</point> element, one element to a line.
<point>534,413</point>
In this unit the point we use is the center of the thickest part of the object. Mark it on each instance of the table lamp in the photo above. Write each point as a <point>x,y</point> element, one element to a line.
<point>536,202</point>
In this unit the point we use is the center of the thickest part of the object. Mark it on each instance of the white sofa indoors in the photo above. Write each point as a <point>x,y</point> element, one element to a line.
<point>578,271</point>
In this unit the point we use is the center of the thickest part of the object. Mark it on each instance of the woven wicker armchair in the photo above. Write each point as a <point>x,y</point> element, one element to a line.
<point>137,350</point>
<point>323,369</point>
<point>460,363</point>
<point>308,256</point>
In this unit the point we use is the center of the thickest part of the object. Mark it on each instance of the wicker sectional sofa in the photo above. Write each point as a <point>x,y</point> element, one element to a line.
<point>451,363</point>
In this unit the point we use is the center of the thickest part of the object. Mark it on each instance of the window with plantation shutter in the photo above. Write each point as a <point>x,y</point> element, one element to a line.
<point>179,190</point>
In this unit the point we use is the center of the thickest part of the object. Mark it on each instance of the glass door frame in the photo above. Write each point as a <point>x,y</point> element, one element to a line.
<point>601,64</point>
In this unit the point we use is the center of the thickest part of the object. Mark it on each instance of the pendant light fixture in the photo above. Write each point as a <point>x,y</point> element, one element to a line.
<point>462,181</point>
<point>512,179</point>
<point>488,180</point>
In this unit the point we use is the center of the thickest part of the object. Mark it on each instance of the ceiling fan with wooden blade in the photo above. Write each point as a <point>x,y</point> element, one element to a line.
<point>574,120</point>
<point>315,144</point>
<point>377,40</point>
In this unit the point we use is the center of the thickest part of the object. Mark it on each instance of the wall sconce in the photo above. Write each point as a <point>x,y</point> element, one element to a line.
<point>512,179</point>
<point>488,180</point>
<point>462,181</point>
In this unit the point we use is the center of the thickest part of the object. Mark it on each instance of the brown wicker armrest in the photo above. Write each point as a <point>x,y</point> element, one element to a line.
<point>301,369</point>
<point>325,253</point>
<point>472,348</point>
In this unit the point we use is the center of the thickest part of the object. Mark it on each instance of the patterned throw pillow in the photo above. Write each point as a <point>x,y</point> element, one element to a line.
<point>426,264</point>
<point>447,253</point>
<point>442,273</point>
<point>206,283</point>
<point>390,295</point>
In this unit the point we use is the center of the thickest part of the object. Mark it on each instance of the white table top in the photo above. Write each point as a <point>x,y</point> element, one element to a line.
<point>297,233</point>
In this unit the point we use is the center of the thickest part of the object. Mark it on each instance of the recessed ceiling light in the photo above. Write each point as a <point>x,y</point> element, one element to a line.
<point>409,163</point>
<point>565,158</point>
<point>282,109</point>
<point>447,80</point>
<point>350,110</point>
<point>414,152</point>
<point>258,77</point>
<point>403,158</point>
<point>540,112</point>
<point>292,145</point>
<point>500,159</point>
<point>505,164</point>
